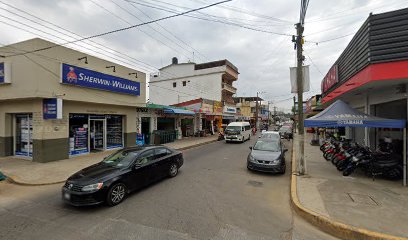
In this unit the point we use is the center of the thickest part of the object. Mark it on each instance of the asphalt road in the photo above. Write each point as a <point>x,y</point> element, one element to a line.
<point>213,197</point>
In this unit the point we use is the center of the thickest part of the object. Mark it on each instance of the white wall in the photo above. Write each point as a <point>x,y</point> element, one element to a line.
<point>199,84</point>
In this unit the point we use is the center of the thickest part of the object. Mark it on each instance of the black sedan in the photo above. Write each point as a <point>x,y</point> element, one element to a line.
<point>267,156</point>
<point>124,171</point>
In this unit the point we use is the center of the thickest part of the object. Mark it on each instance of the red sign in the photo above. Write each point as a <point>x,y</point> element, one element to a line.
<point>330,79</point>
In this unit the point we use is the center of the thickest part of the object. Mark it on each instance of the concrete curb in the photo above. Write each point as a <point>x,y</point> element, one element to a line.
<point>328,225</point>
<point>197,145</point>
<point>15,180</point>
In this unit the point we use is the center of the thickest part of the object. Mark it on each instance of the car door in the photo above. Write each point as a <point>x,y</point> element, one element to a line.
<point>142,169</point>
<point>163,161</point>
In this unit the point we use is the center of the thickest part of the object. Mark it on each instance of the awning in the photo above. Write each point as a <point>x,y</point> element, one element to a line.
<point>177,111</point>
<point>339,114</point>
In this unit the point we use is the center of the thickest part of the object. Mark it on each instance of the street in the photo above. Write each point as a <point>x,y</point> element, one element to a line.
<point>213,197</point>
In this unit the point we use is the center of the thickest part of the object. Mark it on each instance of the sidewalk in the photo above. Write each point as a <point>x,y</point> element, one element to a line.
<point>343,205</point>
<point>25,172</point>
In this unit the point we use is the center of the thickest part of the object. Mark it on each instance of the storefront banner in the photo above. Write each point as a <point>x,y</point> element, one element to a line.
<point>52,108</point>
<point>77,76</point>
<point>230,109</point>
<point>5,72</point>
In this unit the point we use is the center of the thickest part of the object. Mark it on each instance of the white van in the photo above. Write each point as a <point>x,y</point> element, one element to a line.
<point>238,131</point>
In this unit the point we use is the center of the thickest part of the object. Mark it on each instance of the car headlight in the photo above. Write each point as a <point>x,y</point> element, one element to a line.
<point>251,158</point>
<point>92,187</point>
<point>276,161</point>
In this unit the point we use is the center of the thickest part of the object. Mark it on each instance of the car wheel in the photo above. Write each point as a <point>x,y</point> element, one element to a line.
<point>116,194</point>
<point>173,170</point>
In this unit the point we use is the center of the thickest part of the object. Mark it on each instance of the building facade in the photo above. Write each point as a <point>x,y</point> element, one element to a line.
<point>183,82</point>
<point>57,103</point>
<point>371,75</point>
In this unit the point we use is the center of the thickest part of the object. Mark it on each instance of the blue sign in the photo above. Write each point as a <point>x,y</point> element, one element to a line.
<point>140,139</point>
<point>52,108</point>
<point>2,74</point>
<point>77,76</point>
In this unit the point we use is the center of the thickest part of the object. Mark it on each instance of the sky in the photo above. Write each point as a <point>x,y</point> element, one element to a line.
<point>254,35</point>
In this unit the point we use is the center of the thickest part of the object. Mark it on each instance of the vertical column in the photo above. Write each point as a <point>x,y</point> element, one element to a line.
<point>367,130</point>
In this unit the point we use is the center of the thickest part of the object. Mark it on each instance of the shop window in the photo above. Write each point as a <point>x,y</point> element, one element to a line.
<point>184,83</point>
<point>78,134</point>
<point>174,84</point>
<point>114,131</point>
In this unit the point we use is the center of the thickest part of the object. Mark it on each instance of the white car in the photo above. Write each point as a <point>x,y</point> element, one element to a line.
<point>270,135</point>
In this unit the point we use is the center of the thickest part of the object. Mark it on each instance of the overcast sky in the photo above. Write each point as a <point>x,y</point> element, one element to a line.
<point>263,59</point>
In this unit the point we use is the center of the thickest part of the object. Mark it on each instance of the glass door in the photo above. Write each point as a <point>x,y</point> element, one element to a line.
<point>98,134</point>
<point>24,133</point>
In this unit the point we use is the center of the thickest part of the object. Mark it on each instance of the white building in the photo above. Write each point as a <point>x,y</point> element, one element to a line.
<point>183,82</point>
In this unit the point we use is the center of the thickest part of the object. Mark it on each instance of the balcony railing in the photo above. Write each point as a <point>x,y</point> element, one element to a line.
<point>229,88</point>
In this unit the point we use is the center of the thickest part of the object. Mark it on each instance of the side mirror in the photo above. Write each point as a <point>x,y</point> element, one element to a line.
<point>250,148</point>
<point>137,165</point>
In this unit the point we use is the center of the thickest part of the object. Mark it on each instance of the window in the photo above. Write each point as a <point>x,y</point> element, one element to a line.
<point>184,83</point>
<point>160,152</point>
<point>146,157</point>
<point>247,127</point>
<point>174,84</point>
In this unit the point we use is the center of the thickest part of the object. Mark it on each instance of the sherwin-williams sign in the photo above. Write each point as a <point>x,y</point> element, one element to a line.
<point>77,76</point>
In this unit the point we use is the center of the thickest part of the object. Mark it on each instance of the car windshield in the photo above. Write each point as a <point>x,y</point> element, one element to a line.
<point>270,136</point>
<point>284,129</point>
<point>272,146</point>
<point>233,128</point>
<point>121,159</point>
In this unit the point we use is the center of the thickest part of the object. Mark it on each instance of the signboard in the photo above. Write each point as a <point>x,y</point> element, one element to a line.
<point>330,79</point>
<point>140,140</point>
<point>77,76</point>
<point>5,72</point>
<point>52,108</point>
<point>228,109</point>
<point>306,79</point>
<point>217,107</point>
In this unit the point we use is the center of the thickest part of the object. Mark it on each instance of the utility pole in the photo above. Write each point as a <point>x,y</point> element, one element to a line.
<point>256,112</point>
<point>299,48</point>
<point>294,113</point>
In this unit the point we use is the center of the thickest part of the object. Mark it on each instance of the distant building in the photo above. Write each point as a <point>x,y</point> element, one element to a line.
<point>183,82</point>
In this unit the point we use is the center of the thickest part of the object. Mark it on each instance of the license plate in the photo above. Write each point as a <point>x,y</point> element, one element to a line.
<point>67,196</point>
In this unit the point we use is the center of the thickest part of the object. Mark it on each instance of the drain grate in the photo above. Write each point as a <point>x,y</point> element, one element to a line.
<point>362,199</point>
<point>255,183</point>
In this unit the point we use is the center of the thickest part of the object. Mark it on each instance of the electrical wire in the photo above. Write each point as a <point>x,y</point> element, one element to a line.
<point>172,34</point>
<point>130,27</point>
<point>213,20</point>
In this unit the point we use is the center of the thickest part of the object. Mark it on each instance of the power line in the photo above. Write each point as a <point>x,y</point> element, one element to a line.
<point>145,32</point>
<point>175,36</point>
<point>130,27</point>
<point>72,34</point>
<point>213,20</point>
<point>314,64</point>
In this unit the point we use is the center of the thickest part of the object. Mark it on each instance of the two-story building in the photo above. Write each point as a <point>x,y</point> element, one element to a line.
<point>56,102</point>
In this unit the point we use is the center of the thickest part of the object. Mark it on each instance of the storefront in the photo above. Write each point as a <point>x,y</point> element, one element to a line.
<point>82,107</point>
<point>89,133</point>
<point>372,77</point>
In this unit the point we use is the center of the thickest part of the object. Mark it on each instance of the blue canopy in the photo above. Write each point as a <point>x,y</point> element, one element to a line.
<point>339,114</point>
<point>177,111</point>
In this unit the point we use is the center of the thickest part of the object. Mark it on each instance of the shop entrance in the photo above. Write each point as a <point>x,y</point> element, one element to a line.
<point>146,129</point>
<point>98,134</point>
<point>24,135</point>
